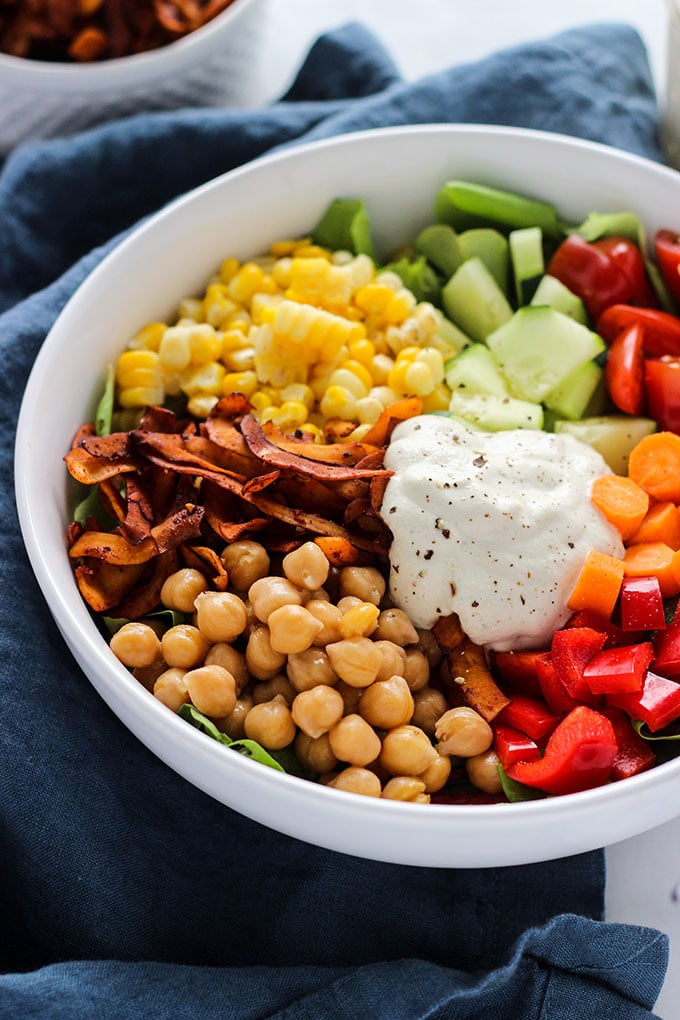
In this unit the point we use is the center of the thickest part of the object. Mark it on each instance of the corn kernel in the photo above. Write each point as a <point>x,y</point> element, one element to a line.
<point>396,380</point>
<point>259,400</point>
<point>350,381</point>
<point>240,361</point>
<point>148,337</point>
<point>358,434</point>
<point>131,362</point>
<point>434,361</point>
<point>201,404</point>
<point>374,297</point>
<point>284,247</point>
<point>369,410</point>
<point>229,269</point>
<point>240,382</point>
<point>204,344</point>
<point>338,402</point>
<point>362,351</point>
<point>418,379</point>
<point>299,392</point>
<point>261,306</point>
<point>402,303</point>
<point>389,279</point>
<point>191,308</point>
<point>381,366</point>
<point>217,305</point>
<point>205,378</point>
<point>291,415</point>
<point>141,396</point>
<point>438,400</point>
<point>268,413</point>
<point>175,350</point>
<point>359,370</point>
<point>384,394</point>
<point>308,428</point>
<point>245,282</point>
<point>306,250</point>
<point>281,272</point>
<point>359,621</point>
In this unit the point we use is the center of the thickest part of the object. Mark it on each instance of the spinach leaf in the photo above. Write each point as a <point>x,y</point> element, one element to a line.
<point>515,791</point>
<point>250,748</point>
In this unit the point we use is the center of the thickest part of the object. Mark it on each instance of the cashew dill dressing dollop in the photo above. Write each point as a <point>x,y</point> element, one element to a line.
<point>493,526</point>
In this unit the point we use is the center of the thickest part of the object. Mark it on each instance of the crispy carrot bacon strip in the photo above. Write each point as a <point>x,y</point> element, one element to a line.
<point>381,431</point>
<point>327,453</point>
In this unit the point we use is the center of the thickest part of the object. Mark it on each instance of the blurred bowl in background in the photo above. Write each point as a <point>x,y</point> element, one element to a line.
<point>208,67</point>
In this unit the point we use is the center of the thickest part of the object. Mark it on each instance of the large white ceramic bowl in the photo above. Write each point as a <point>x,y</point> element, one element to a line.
<point>398,173</point>
<point>41,99</point>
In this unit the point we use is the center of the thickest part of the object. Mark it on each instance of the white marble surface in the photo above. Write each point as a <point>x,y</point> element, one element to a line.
<point>427,35</point>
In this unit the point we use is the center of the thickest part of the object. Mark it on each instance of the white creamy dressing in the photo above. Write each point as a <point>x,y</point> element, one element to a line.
<point>493,526</point>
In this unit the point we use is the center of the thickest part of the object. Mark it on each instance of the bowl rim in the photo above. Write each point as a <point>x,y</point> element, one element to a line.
<point>27,73</point>
<point>445,817</point>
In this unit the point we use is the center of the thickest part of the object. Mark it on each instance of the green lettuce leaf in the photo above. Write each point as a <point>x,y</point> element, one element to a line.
<point>250,748</point>
<point>104,412</point>
<point>515,791</point>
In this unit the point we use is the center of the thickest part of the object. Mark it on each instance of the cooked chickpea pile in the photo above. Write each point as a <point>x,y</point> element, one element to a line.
<point>314,658</point>
<point>307,335</point>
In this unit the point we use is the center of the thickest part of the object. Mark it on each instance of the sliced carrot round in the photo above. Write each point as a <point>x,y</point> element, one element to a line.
<point>655,559</point>
<point>654,463</point>
<point>622,501</point>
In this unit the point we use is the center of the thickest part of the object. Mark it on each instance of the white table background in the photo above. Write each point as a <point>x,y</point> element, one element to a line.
<point>424,36</point>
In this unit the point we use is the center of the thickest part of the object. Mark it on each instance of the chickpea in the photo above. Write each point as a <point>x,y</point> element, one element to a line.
<point>366,583</point>
<point>270,593</point>
<point>292,629</point>
<point>147,675</point>
<point>307,567</point>
<point>261,660</point>
<point>268,689</point>
<point>309,668</point>
<point>349,602</point>
<point>359,621</point>
<point>416,669</point>
<point>394,625</point>
<point>436,775</point>
<point>136,644</point>
<point>317,710</point>
<point>427,643</point>
<point>271,724</point>
<point>406,751</point>
<point>184,646</point>
<point>354,741</point>
<point>409,788</point>
<point>220,615</point>
<point>429,706</point>
<point>355,660</point>
<point>392,660</point>
<point>482,771</point>
<point>462,732</point>
<point>245,563</point>
<point>387,703</point>
<point>234,723</point>
<point>315,752</point>
<point>329,617</point>
<point>212,690</point>
<point>181,588</point>
<point>224,654</point>
<point>351,696</point>
<point>171,689</point>
<point>356,780</point>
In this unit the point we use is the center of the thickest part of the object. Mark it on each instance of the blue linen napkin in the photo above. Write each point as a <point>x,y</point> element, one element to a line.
<point>124,891</point>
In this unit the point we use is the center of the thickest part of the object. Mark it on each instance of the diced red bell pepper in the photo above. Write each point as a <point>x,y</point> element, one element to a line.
<point>641,604</point>
<point>624,371</point>
<point>619,669</point>
<point>530,716</point>
<point>591,274</point>
<point>657,704</point>
<point>667,249</point>
<point>589,618</point>
<point>667,649</point>
<point>518,671</point>
<point>662,389</point>
<point>512,746</point>
<point>628,257</point>
<point>634,754</point>
<point>579,755</point>
<point>553,690</point>
<point>661,329</point>
<point>571,650</point>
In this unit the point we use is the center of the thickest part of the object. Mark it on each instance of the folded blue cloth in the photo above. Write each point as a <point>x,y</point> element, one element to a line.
<point>124,891</point>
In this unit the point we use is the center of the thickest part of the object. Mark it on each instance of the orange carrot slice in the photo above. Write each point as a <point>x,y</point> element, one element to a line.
<point>598,585</point>
<point>654,463</point>
<point>622,501</point>
<point>654,559</point>
<point>660,524</point>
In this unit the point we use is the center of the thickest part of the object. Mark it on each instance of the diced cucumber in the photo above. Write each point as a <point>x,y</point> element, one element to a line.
<point>474,301</point>
<point>439,244</point>
<point>612,435</point>
<point>620,224</point>
<point>552,291</point>
<point>450,338</point>
<point>495,414</point>
<point>462,204</point>
<point>573,395</point>
<point>528,264</point>
<point>492,248</point>
<point>538,348</point>
<point>474,370</point>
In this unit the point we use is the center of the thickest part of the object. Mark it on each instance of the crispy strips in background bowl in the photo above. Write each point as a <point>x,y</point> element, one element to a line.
<point>178,491</point>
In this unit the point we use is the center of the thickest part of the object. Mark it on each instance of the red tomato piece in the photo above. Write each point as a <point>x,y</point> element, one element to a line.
<point>661,329</point>
<point>667,249</point>
<point>628,257</point>
<point>591,274</point>
<point>579,755</point>
<point>662,387</point>
<point>624,371</point>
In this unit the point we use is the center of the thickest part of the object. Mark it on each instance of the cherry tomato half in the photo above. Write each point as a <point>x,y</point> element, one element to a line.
<point>661,329</point>
<point>625,371</point>
<point>591,274</point>
<point>628,258</point>
<point>662,386</point>
<point>667,248</point>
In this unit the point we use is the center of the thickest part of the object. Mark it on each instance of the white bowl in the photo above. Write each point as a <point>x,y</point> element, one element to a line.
<point>397,172</point>
<point>41,99</point>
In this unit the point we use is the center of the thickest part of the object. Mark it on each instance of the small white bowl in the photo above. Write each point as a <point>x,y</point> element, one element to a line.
<point>397,172</point>
<point>42,99</point>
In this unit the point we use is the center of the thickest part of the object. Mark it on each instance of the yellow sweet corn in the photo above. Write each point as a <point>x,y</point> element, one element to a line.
<point>139,378</point>
<point>148,338</point>
<point>240,382</point>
